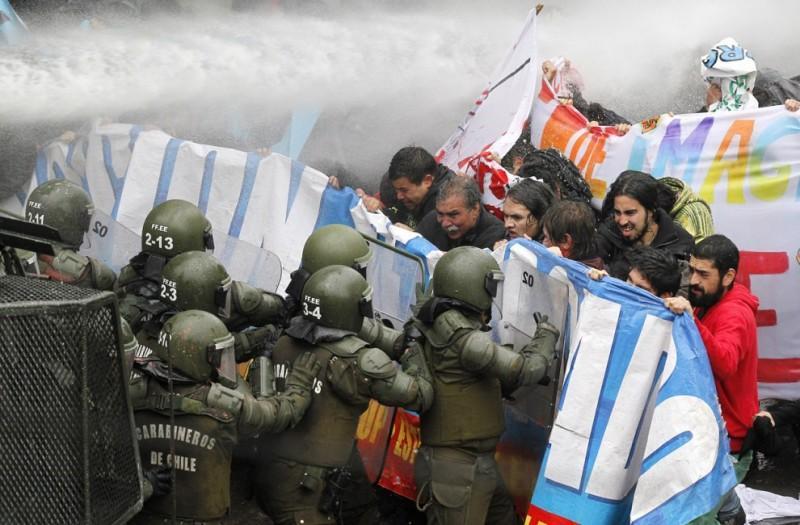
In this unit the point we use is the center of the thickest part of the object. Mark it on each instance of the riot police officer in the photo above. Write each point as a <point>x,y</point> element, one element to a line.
<point>68,209</point>
<point>301,468</point>
<point>196,280</point>
<point>171,228</point>
<point>179,426</point>
<point>327,246</point>
<point>456,475</point>
<point>340,244</point>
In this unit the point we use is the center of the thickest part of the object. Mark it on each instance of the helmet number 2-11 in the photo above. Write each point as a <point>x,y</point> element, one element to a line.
<point>158,241</point>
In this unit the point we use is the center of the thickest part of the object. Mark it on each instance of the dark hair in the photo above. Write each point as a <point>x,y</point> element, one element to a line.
<point>667,197</point>
<point>521,149</point>
<point>534,195</point>
<point>720,250</point>
<point>577,220</point>
<point>657,266</point>
<point>466,187</point>
<point>412,163</point>
<point>636,185</point>
<point>558,172</point>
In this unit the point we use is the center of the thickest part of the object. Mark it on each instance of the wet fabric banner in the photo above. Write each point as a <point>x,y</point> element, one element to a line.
<point>496,121</point>
<point>271,203</point>
<point>746,165</point>
<point>637,436</point>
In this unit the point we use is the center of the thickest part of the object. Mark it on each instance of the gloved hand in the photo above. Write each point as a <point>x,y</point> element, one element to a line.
<point>544,340</point>
<point>253,343</point>
<point>160,479</point>
<point>543,323</point>
<point>761,437</point>
<point>304,370</point>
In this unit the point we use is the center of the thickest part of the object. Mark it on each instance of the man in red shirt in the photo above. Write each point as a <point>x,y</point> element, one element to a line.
<point>725,314</point>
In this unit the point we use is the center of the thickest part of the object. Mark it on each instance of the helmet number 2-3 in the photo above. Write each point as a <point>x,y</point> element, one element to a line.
<point>315,313</point>
<point>158,241</point>
<point>169,293</point>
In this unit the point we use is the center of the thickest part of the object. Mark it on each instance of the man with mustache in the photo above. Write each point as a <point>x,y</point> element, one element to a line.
<point>725,314</point>
<point>459,218</point>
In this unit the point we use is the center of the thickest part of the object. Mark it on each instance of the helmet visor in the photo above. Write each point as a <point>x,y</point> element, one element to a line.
<point>362,262</point>
<point>222,357</point>
<point>223,298</point>
<point>492,282</point>
<point>365,304</point>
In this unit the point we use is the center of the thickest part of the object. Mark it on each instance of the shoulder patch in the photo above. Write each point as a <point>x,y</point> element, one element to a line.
<point>375,364</point>
<point>447,325</point>
<point>70,264</point>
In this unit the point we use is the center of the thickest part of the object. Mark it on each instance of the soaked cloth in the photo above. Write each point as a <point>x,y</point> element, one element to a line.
<point>761,505</point>
<point>730,66</point>
<point>735,95</point>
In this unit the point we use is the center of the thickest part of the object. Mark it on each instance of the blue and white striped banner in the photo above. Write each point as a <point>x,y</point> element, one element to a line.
<point>638,435</point>
<point>271,202</point>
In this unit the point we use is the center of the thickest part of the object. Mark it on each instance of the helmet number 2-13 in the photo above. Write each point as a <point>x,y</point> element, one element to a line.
<point>158,241</point>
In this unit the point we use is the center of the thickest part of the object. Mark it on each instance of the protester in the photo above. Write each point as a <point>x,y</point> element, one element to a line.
<point>523,208</point>
<point>554,169</point>
<point>570,227</point>
<point>519,152</point>
<point>567,82</point>
<point>408,190</point>
<point>632,217</point>
<point>730,74</point>
<point>764,435</point>
<point>686,208</point>
<point>724,313</point>
<point>459,218</point>
<point>654,271</point>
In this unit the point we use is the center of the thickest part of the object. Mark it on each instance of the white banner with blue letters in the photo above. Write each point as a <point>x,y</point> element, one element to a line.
<point>638,435</point>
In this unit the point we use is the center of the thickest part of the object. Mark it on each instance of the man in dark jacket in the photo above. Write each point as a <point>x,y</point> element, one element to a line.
<point>633,218</point>
<point>459,218</point>
<point>409,189</point>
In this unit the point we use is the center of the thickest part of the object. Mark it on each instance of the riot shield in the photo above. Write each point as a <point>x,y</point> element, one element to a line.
<point>246,262</point>
<point>530,414</point>
<point>110,241</point>
<point>396,277</point>
<point>69,452</point>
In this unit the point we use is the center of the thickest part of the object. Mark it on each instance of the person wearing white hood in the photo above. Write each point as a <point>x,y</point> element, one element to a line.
<point>730,72</point>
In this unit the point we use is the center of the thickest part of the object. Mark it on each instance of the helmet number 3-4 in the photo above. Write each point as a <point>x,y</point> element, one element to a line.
<point>158,241</point>
<point>315,313</point>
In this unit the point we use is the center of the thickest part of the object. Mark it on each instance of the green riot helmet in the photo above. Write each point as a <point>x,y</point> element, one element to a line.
<point>337,297</point>
<point>336,244</point>
<point>62,205</point>
<point>129,344</point>
<point>199,346</point>
<point>174,227</point>
<point>196,281</point>
<point>469,275</point>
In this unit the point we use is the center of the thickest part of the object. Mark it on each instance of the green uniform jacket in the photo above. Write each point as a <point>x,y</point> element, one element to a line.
<point>203,438</point>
